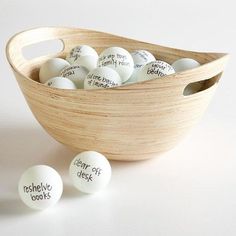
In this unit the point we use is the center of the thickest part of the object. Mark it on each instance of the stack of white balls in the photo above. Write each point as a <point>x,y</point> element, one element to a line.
<point>115,66</point>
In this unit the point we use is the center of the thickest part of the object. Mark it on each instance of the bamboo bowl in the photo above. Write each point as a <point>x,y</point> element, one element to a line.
<point>132,122</point>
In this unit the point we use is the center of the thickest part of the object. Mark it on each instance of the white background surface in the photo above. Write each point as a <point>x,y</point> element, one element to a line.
<point>191,190</point>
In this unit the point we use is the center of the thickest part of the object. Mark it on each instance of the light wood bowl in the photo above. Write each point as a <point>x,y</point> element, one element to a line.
<point>131,122</point>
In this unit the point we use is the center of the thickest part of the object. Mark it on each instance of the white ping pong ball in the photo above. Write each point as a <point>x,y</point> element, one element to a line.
<point>80,51</point>
<point>102,77</point>
<point>154,70</point>
<point>118,59</point>
<point>141,58</point>
<point>60,83</point>
<point>51,68</point>
<point>134,77</point>
<point>40,187</point>
<point>89,62</point>
<point>185,64</point>
<point>90,171</point>
<point>76,74</point>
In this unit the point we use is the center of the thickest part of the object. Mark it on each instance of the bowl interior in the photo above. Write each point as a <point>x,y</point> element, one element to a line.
<point>100,41</point>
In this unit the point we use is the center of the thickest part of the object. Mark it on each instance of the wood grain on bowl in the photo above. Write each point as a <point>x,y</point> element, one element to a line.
<point>131,122</point>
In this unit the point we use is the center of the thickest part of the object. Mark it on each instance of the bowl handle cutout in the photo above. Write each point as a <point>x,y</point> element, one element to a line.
<point>199,86</point>
<point>44,48</point>
<point>30,44</point>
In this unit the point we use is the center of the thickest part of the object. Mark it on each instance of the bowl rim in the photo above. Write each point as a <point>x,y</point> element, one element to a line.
<point>217,58</point>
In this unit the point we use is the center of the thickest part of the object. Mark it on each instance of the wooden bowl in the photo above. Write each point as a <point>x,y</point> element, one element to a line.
<point>132,122</point>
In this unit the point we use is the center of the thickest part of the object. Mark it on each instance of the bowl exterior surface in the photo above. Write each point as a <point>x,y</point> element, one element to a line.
<point>131,122</point>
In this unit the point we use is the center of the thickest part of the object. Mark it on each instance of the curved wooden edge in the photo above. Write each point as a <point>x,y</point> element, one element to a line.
<point>204,72</point>
<point>24,38</point>
<point>32,36</point>
<point>181,80</point>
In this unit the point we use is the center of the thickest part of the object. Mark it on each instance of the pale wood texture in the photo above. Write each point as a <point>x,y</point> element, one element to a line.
<point>132,122</point>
